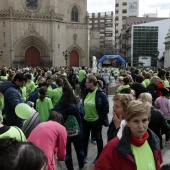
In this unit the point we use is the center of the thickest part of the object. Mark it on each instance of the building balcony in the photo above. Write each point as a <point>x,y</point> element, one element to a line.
<point>108,38</point>
<point>109,30</point>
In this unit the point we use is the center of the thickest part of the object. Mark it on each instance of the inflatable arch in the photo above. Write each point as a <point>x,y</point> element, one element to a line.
<point>100,62</point>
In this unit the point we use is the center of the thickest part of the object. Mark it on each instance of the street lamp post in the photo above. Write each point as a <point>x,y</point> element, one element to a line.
<point>156,56</point>
<point>66,54</point>
<point>1,53</point>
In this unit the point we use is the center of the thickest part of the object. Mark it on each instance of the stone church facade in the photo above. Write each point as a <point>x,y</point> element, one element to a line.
<point>37,32</point>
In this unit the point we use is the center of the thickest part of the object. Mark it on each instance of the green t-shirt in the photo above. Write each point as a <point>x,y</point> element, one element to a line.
<point>166,82</point>
<point>49,89</point>
<point>56,94</point>
<point>36,86</point>
<point>116,72</point>
<point>91,114</point>
<point>122,87</point>
<point>155,74</point>
<point>82,74</point>
<point>43,108</point>
<point>147,82</point>
<point>121,71</point>
<point>30,87</point>
<point>24,92</point>
<point>4,77</point>
<point>13,132</point>
<point>143,84</point>
<point>1,102</point>
<point>144,157</point>
<point>64,74</point>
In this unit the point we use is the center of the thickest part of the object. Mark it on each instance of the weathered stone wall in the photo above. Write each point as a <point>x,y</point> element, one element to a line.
<point>49,29</point>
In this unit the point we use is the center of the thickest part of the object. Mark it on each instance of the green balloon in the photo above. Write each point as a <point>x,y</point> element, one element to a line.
<point>23,110</point>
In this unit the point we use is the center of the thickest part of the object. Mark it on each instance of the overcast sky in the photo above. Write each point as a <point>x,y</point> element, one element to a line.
<point>162,7</point>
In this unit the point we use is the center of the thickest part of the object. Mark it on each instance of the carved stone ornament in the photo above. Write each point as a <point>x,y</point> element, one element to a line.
<point>12,14</point>
<point>75,37</point>
<point>31,28</point>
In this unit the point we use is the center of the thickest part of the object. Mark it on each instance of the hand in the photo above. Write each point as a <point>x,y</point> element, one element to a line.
<point>117,120</point>
<point>32,104</point>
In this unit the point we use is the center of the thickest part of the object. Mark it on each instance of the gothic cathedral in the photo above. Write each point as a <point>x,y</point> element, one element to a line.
<point>39,32</point>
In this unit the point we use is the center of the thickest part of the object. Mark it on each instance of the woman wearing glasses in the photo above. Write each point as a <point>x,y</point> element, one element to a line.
<point>96,107</point>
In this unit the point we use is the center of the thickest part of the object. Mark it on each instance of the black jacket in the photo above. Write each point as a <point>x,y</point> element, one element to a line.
<point>152,89</point>
<point>112,131</point>
<point>138,88</point>
<point>158,124</point>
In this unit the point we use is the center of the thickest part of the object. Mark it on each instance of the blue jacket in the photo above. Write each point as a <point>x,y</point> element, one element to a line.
<point>74,109</point>
<point>102,105</point>
<point>12,97</point>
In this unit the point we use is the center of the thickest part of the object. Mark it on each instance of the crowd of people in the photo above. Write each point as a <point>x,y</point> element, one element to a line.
<point>141,115</point>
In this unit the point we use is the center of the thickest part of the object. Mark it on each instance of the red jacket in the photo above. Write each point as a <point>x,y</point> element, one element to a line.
<point>160,85</point>
<point>117,154</point>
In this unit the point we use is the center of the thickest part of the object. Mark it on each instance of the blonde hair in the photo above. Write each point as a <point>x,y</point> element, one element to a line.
<point>147,76</point>
<point>124,99</point>
<point>154,79</point>
<point>145,97</point>
<point>136,108</point>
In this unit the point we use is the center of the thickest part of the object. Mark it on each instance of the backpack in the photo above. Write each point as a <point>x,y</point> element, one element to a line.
<point>72,126</point>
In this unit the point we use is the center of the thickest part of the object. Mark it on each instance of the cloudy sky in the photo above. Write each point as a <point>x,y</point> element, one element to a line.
<point>162,7</point>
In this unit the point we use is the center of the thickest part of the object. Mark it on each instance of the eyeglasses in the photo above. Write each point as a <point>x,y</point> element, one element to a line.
<point>117,107</point>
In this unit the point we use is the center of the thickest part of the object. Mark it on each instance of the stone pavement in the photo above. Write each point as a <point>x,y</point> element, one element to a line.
<point>92,150</point>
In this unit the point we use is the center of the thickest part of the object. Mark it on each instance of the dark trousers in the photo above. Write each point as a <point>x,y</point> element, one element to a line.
<point>167,134</point>
<point>96,128</point>
<point>106,88</point>
<point>78,146</point>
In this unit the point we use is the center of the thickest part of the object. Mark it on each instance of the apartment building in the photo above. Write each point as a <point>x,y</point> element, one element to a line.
<point>104,23</point>
<point>123,9</point>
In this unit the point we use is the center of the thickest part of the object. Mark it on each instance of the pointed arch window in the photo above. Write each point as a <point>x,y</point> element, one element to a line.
<point>74,14</point>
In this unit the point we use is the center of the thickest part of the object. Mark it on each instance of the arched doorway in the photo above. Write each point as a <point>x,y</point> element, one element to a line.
<point>32,57</point>
<point>74,59</point>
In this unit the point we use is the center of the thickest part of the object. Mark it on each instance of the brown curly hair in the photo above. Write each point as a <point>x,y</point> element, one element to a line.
<point>124,99</point>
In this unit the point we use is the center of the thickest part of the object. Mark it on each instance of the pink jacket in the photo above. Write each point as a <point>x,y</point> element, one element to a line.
<point>51,137</point>
<point>164,104</point>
